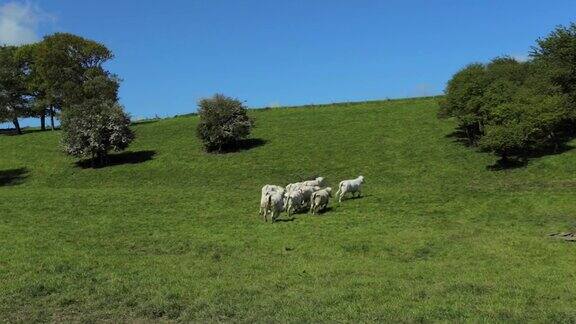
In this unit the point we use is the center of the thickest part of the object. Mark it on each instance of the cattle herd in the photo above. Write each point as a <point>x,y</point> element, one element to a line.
<point>299,196</point>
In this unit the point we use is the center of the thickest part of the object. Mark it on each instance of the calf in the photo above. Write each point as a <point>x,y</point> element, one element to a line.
<point>267,189</point>
<point>313,183</point>
<point>274,204</point>
<point>350,186</point>
<point>294,201</point>
<point>320,199</point>
<point>307,192</point>
<point>293,186</point>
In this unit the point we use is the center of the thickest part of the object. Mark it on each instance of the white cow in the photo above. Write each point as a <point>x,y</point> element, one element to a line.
<point>320,199</point>
<point>271,188</point>
<point>318,182</point>
<point>267,189</point>
<point>293,186</point>
<point>274,204</point>
<point>307,192</point>
<point>294,201</point>
<point>313,183</point>
<point>350,186</point>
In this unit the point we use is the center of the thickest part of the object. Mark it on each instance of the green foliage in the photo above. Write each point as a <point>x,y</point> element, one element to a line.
<point>437,238</point>
<point>98,85</point>
<point>509,132</point>
<point>223,123</point>
<point>462,98</point>
<point>14,98</point>
<point>515,109</point>
<point>64,70</point>
<point>557,54</point>
<point>62,62</point>
<point>93,128</point>
<point>462,91</point>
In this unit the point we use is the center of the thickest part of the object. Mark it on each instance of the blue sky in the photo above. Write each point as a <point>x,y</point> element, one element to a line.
<point>171,53</point>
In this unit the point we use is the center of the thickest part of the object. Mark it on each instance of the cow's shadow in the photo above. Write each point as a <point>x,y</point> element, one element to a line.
<point>303,211</point>
<point>323,211</point>
<point>352,197</point>
<point>285,220</point>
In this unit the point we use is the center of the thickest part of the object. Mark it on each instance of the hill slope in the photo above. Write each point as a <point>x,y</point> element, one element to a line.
<point>171,232</point>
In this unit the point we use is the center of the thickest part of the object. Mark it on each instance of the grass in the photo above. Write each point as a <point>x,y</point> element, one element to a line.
<point>171,233</point>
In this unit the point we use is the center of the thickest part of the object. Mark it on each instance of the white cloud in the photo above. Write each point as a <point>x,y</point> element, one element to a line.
<point>19,23</point>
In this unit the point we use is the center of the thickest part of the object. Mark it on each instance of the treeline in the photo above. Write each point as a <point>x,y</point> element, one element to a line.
<point>63,77</point>
<point>40,80</point>
<point>515,109</point>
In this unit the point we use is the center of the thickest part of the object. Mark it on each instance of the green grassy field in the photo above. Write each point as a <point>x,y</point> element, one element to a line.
<point>171,233</point>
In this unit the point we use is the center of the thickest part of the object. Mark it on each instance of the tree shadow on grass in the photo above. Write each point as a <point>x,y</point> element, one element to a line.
<point>510,164</point>
<point>25,131</point>
<point>459,136</point>
<point>13,132</point>
<point>13,177</point>
<point>8,132</point>
<point>119,159</point>
<point>562,148</point>
<point>244,145</point>
<point>515,163</point>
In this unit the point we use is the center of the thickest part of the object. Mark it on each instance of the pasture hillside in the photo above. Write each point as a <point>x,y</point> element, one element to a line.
<point>170,232</point>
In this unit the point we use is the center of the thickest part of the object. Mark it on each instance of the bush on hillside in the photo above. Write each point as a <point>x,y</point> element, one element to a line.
<point>462,98</point>
<point>514,109</point>
<point>93,128</point>
<point>223,123</point>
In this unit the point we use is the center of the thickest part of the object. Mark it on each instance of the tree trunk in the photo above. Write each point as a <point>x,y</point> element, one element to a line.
<point>43,120</point>
<point>470,140</point>
<point>52,117</point>
<point>17,125</point>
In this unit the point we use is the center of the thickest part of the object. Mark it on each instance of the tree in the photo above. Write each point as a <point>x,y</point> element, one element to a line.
<point>514,109</point>
<point>14,98</point>
<point>525,125</point>
<point>507,68</point>
<point>61,64</point>
<point>557,55</point>
<point>97,85</point>
<point>93,128</point>
<point>463,99</point>
<point>223,122</point>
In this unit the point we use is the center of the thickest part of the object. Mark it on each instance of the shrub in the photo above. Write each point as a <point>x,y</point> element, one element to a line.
<point>515,109</point>
<point>519,128</point>
<point>93,128</point>
<point>462,99</point>
<point>223,123</point>
<point>505,108</point>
